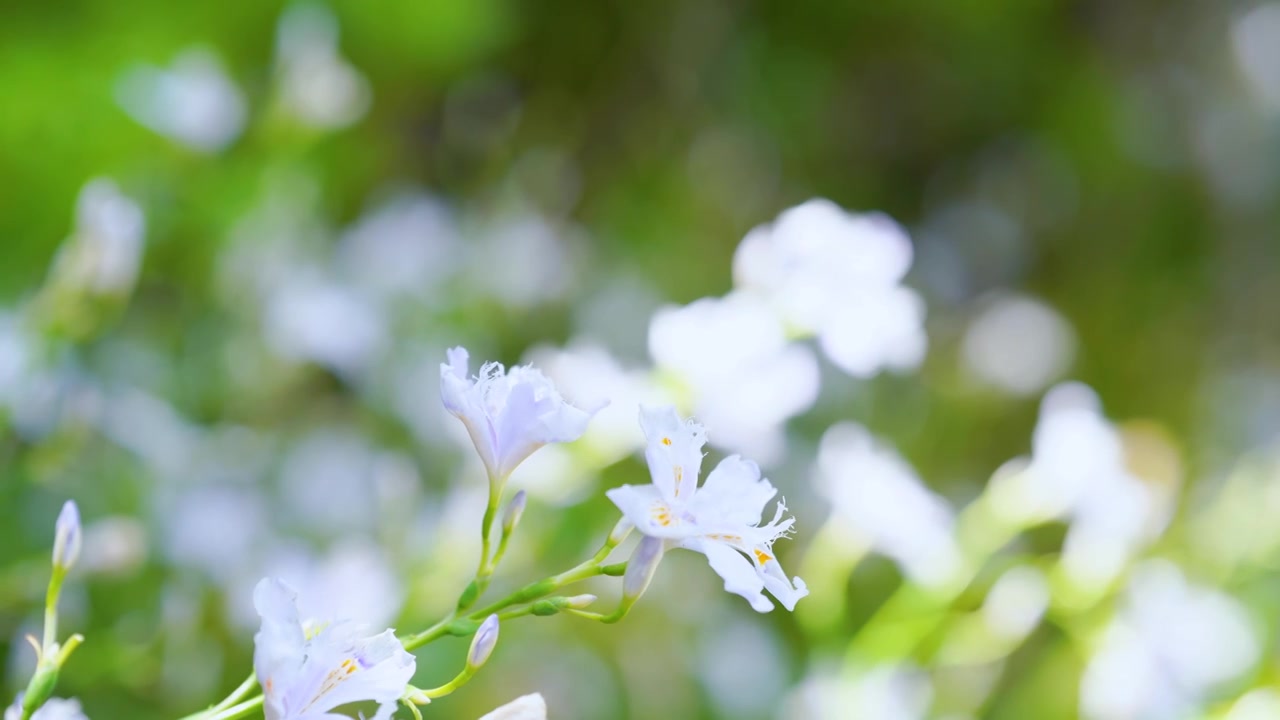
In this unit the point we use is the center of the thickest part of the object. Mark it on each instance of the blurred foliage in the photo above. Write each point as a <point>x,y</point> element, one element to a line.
<point>1073,151</point>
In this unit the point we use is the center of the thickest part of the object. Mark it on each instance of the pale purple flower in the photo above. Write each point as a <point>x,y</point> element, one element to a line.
<point>306,673</point>
<point>720,520</point>
<point>482,645</point>
<point>67,536</point>
<point>508,413</point>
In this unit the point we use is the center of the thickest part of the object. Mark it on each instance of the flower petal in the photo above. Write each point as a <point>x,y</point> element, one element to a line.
<point>673,451</point>
<point>645,507</point>
<point>740,577</point>
<point>527,707</point>
<point>733,494</point>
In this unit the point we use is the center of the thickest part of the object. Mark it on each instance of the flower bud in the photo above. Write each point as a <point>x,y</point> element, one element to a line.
<point>619,532</point>
<point>641,568</point>
<point>483,643</point>
<point>67,537</point>
<point>551,606</point>
<point>578,602</point>
<point>515,509</point>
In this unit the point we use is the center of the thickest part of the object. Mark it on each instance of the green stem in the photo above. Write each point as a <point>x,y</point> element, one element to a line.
<point>486,529</point>
<point>532,591</point>
<point>244,709</point>
<point>51,608</point>
<point>462,679</point>
<point>236,696</point>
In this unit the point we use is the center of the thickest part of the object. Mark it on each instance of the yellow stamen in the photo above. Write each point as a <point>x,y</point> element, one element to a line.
<point>763,556</point>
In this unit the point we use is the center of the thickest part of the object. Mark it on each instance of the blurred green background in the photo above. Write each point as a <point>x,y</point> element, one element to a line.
<point>333,194</point>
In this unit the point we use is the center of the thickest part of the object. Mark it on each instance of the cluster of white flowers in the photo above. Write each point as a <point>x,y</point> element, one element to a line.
<point>307,667</point>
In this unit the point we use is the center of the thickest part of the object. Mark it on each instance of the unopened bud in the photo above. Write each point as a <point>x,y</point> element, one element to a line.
<point>515,509</point>
<point>67,537</point>
<point>578,602</point>
<point>483,643</point>
<point>641,568</point>
<point>619,532</point>
<point>553,605</point>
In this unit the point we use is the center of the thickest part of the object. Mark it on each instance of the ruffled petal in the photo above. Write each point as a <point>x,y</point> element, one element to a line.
<point>733,494</point>
<point>740,578</point>
<point>305,678</point>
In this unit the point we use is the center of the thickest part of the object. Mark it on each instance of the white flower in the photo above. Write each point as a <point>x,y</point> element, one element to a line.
<point>317,84</point>
<point>837,275</point>
<point>875,491</point>
<point>1173,643</point>
<point>1078,471</point>
<point>521,260</point>
<point>720,520</point>
<point>745,378</point>
<point>1255,38</point>
<point>1018,344</point>
<point>527,707</point>
<point>305,675</point>
<point>104,255</point>
<point>407,245</point>
<point>194,103</point>
<point>310,317</point>
<point>508,414</point>
<point>883,692</point>
<point>53,709</point>
<point>587,374</point>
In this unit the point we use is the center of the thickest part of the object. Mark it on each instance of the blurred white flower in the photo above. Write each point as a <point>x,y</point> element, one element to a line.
<point>354,581</point>
<point>1255,37</point>
<point>838,275</point>
<point>508,413</point>
<point>1078,472</point>
<point>114,545</point>
<point>193,102</point>
<point>1016,603</point>
<point>743,667</point>
<point>15,356</point>
<point>1018,344</point>
<point>1260,704</point>
<point>885,692</point>
<point>720,520</point>
<point>1173,643</point>
<point>327,479</point>
<point>307,672</point>
<point>878,494</point>
<point>104,254</point>
<point>309,318</point>
<point>408,245</point>
<point>152,429</point>
<point>588,374</point>
<point>521,260</point>
<point>745,378</point>
<point>53,709</point>
<point>318,86</point>
<point>213,528</point>
<point>526,707</point>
